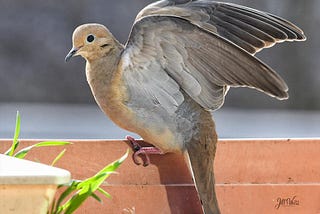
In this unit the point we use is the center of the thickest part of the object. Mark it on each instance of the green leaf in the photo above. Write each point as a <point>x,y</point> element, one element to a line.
<point>23,152</point>
<point>86,188</point>
<point>94,180</point>
<point>72,186</point>
<point>103,174</point>
<point>13,147</point>
<point>58,157</point>
<point>15,142</point>
<point>104,192</point>
<point>76,201</point>
<point>93,195</point>
<point>52,143</point>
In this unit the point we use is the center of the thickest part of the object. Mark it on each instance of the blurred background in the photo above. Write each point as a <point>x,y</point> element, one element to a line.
<point>55,100</point>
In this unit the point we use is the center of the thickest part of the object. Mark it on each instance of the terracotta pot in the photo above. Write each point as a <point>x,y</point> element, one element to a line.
<point>253,176</point>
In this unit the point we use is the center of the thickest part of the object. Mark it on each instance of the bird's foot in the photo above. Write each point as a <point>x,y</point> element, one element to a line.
<point>143,151</point>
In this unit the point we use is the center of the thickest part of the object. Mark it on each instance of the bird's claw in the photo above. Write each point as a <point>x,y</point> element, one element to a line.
<point>142,151</point>
<point>135,145</point>
<point>144,156</point>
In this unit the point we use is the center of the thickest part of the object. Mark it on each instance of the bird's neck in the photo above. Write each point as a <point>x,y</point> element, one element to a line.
<point>102,74</point>
<point>105,79</point>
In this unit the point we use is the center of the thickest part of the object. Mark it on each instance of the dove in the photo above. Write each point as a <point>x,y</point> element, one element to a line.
<point>179,62</point>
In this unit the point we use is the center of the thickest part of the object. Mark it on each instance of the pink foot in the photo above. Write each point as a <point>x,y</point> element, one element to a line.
<point>143,151</point>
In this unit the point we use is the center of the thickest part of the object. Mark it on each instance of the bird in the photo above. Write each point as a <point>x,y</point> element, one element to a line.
<point>180,60</point>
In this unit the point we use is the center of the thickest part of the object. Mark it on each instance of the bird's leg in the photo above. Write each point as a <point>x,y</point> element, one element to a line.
<point>143,151</point>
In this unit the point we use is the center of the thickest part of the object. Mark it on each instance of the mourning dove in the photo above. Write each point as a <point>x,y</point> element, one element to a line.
<point>176,68</point>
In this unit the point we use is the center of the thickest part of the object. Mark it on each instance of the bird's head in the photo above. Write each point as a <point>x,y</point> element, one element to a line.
<point>91,41</point>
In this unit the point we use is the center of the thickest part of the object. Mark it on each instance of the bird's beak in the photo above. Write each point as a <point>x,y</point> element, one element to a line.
<point>71,53</point>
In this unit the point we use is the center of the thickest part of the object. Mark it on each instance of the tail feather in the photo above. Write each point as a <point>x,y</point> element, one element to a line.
<point>201,153</point>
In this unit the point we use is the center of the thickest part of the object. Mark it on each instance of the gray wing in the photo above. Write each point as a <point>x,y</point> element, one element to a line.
<point>248,28</point>
<point>167,56</point>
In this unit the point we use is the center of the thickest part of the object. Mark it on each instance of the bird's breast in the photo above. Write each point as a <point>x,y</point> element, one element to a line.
<point>110,94</point>
<point>135,112</point>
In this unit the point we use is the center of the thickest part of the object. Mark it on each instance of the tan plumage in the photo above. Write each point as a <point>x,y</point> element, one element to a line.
<point>177,66</point>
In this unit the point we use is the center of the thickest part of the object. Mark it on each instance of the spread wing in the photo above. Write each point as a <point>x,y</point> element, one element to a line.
<point>167,56</point>
<point>248,28</point>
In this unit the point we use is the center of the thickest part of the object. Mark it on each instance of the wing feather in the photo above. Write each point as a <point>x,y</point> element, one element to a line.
<point>248,28</point>
<point>201,48</point>
<point>169,56</point>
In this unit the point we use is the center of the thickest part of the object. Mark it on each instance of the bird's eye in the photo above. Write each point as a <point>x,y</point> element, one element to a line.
<point>90,38</point>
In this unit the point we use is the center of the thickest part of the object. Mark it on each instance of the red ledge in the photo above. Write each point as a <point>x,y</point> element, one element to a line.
<point>253,176</point>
